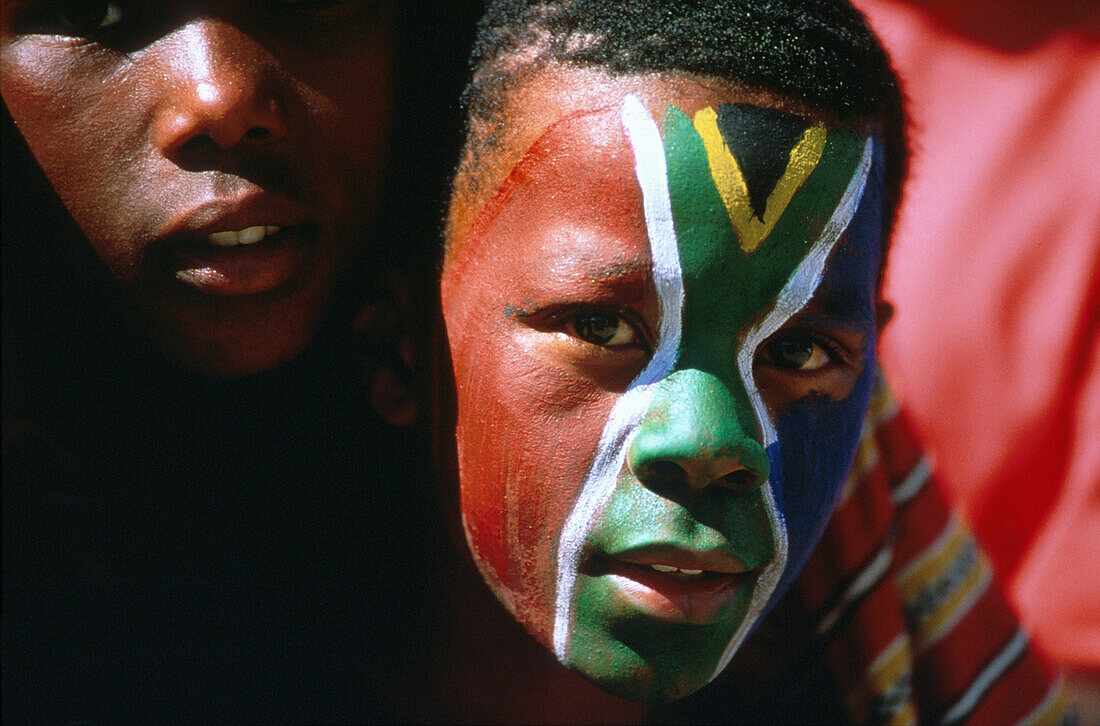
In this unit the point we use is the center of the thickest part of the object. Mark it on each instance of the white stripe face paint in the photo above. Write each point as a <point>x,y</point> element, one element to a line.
<point>652,174</point>
<point>794,296</point>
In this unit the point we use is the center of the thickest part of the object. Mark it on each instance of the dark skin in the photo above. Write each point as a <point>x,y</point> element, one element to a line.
<point>467,658</point>
<point>210,156</point>
<point>186,528</point>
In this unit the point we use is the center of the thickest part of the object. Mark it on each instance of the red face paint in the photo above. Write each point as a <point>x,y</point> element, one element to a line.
<point>626,518</point>
<point>564,240</point>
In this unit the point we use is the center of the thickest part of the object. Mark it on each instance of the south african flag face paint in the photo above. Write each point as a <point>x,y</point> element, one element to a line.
<point>662,329</point>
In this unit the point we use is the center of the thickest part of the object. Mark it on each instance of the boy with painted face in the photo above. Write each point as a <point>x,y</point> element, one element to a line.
<point>662,324</point>
<point>659,395</point>
<point>661,298</point>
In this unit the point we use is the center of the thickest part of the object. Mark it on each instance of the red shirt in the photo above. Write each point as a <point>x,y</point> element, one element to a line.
<point>995,273</point>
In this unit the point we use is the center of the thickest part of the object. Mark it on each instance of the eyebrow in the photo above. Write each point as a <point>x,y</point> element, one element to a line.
<point>580,275</point>
<point>593,268</point>
<point>837,309</point>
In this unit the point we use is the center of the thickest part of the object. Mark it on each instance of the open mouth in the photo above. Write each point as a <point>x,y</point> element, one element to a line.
<point>247,261</point>
<point>675,593</point>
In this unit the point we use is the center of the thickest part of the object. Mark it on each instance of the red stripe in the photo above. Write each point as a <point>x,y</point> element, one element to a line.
<point>919,524</point>
<point>853,537</point>
<point>947,669</point>
<point>1026,682</point>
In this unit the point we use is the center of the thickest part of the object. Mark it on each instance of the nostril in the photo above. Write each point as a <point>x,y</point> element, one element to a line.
<point>741,480</point>
<point>258,133</point>
<point>662,473</point>
<point>197,145</point>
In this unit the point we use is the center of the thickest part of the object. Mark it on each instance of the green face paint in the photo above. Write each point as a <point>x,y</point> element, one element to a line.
<point>609,315</point>
<point>693,492</point>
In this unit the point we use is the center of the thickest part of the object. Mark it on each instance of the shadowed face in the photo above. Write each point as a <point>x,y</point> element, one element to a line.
<point>220,156</point>
<point>662,329</point>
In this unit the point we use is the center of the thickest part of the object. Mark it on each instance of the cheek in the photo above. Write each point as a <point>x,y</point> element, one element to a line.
<point>82,119</point>
<point>348,114</point>
<point>817,439</point>
<point>526,432</point>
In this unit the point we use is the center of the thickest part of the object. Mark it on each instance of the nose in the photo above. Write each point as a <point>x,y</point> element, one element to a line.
<point>218,85</point>
<point>696,435</point>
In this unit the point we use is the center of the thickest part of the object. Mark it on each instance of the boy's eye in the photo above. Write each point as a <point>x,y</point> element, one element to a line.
<point>88,17</point>
<point>796,352</point>
<point>316,7</point>
<point>606,329</point>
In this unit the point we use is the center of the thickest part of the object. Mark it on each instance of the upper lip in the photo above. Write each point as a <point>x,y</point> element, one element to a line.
<point>236,212</point>
<point>713,559</point>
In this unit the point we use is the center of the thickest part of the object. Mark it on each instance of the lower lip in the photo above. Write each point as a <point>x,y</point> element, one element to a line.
<point>695,600</point>
<point>244,269</point>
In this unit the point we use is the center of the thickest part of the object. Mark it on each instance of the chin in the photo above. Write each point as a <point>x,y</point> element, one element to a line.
<point>616,668</point>
<point>229,356</point>
<point>645,684</point>
<point>231,338</point>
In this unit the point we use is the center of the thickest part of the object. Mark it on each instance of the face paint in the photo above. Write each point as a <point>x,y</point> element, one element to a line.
<point>626,487</point>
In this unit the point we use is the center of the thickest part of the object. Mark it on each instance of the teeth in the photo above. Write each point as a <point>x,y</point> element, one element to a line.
<point>669,568</point>
<point>248,236</point>
<point>251,235</point>
<point>225,239</point>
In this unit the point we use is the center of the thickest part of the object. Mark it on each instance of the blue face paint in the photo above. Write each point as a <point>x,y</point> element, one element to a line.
<point>817,435</point>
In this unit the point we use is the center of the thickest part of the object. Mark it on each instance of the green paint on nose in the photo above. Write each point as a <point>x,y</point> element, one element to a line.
<point>692,423</point>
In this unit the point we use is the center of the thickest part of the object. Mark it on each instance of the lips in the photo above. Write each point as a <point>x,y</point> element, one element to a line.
<point>243,268</point>
<point>244,245</point>
<point>676,584</point>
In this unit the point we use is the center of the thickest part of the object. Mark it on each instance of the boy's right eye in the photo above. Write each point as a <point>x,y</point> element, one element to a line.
<point>77,18</point>
<point>607,329</point>
<point>90,16</point>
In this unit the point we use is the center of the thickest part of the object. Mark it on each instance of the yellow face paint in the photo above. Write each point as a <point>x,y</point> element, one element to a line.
<point>752,228</point>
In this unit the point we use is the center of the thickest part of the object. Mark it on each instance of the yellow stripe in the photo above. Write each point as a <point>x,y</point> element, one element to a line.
<point>907,716</point>
<point>922,579</point>
<point>889,672</point>
<point>933,561</point>
<point>751,230</point>
<point>954,606</point>
<point>891,665</point>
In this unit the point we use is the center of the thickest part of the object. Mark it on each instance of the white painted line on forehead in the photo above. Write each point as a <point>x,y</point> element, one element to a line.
<point>652,174</point>
<point>652,171</point>
<point>794,296</point>
<point>801,286</point>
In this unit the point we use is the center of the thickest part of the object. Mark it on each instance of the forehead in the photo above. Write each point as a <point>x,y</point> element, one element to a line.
<point>574,187</point>
<point>555,93</point>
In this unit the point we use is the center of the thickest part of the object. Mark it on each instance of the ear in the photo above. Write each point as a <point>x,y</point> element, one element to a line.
<point>884,313</point>
<point>384,351</point>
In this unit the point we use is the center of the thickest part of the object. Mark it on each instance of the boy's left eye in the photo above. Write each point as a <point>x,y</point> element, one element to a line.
<point>796,352</point>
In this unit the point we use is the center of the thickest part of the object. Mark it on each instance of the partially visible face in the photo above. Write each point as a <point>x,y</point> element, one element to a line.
<point>662,328</point>
<point>222,157</point>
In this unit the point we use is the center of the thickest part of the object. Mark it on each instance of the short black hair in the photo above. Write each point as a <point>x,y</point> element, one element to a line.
<point>818,52</point>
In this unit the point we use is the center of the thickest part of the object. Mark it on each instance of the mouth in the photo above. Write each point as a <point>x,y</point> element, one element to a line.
<point>239,247</point>
<point>250,261</point>
<point>678,585</point>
